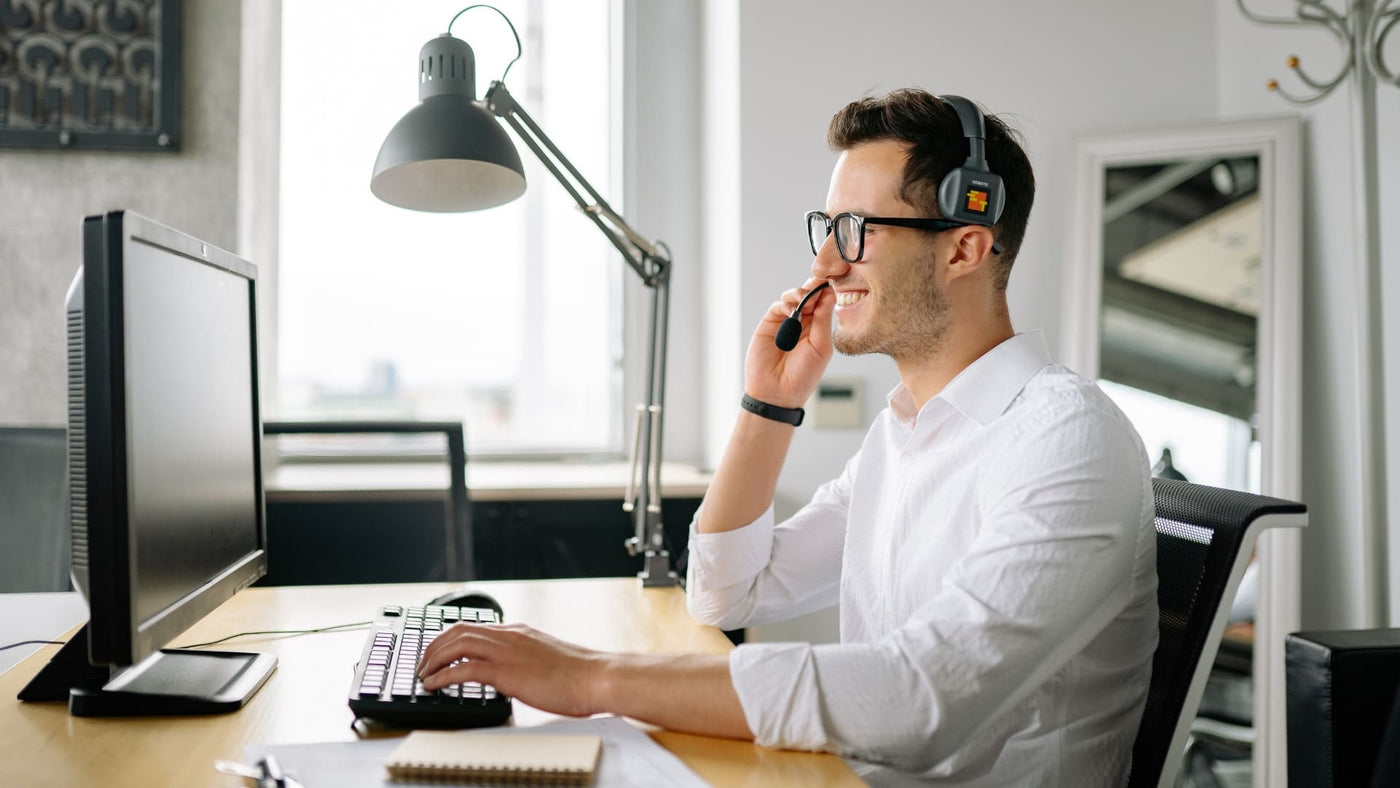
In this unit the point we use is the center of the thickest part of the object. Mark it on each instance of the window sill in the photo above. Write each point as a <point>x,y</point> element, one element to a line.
<point>486,481</point>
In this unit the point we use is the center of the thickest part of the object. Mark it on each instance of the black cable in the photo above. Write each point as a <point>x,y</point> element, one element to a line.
<point>280,632</point>
<point>34,643</point>
<point>212,642</point>
<point>518,50</point>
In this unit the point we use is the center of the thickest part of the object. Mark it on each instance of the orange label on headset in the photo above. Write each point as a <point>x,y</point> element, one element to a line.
<point>977,201</point>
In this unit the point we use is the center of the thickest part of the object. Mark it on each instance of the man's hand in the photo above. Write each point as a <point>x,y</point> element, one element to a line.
<point>748,472</point>
<point>522,662</point>
<point>786,379</point>
<point>690,693</point>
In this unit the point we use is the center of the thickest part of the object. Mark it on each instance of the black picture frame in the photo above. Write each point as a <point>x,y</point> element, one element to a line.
<point>94,75</point>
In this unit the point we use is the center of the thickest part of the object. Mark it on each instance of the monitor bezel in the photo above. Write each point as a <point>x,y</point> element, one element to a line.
<point>116,637</point>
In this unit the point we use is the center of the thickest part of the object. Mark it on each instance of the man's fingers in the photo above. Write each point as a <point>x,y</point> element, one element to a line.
<point>823,306</point>
<point>788,301</point>
<point>481,671</point>
<point>461,641</point>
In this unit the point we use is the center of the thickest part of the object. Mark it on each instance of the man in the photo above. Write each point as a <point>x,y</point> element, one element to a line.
<point>990,545</point>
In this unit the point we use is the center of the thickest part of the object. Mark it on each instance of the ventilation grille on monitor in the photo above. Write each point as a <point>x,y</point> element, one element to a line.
<point>77,440</point>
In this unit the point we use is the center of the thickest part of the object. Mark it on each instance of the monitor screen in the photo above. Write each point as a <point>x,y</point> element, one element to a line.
<point>191,431</point>
<point>164,433</point>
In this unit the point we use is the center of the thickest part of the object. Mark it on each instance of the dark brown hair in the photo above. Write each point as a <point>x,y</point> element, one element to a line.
<point>931,129</point>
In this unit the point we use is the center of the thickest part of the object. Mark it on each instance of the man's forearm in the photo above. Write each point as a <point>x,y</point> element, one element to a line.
<point>691,694</point>
<point>747,475</point>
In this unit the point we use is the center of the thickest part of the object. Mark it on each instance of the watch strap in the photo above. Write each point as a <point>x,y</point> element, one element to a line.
<point>757,407</point>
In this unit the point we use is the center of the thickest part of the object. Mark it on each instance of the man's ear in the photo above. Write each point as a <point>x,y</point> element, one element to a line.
<point>972,249</point>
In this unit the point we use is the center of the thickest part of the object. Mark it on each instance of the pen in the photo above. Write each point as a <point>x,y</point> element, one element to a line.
<point>266,774</point>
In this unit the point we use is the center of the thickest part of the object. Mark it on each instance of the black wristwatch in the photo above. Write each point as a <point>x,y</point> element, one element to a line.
<point>791,416</point>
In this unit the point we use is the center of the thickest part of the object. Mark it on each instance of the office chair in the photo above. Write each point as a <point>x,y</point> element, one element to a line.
<point>1204,539</point>
<point>318,549</point>
<point>34,509</point>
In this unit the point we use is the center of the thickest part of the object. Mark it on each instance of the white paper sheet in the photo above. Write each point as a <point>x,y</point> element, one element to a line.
<point>630,759</point>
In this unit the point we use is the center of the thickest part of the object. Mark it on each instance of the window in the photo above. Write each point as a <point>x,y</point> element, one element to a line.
<point>507,319</point>
<point>1206,447</point>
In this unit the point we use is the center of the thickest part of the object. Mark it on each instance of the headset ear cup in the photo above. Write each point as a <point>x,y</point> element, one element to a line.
<point>949,191</point>
<point>971,196</point>
<point>996,202</point>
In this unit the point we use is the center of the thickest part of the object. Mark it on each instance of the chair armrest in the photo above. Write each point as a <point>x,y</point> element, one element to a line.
<point>461,564</point>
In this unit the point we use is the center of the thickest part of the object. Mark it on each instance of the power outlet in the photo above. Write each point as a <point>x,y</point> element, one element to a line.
<point>837,404</point>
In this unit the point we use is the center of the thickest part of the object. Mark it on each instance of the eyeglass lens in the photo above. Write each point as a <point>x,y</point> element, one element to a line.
<point>848,234</point>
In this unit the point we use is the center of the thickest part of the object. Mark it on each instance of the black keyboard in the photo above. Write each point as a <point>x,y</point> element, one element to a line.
<point>386,690</point>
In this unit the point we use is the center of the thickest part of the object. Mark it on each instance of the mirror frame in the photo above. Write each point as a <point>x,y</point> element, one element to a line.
<point>1277,143</point>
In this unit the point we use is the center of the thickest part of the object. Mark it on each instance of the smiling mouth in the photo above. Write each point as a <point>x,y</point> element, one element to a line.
<point>848,298</point>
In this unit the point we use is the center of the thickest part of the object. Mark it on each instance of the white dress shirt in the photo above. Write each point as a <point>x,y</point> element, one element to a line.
<point>994,559</point>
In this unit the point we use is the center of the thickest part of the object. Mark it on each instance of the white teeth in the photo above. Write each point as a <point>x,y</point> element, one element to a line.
<point>848,298</point>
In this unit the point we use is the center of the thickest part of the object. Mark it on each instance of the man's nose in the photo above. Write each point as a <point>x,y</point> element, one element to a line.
<point>828,262</point>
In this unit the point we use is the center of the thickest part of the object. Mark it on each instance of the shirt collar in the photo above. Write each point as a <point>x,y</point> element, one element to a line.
<point>987,386</point>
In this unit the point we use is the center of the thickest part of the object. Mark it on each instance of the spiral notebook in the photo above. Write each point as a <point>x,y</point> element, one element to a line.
<point>545,759</point>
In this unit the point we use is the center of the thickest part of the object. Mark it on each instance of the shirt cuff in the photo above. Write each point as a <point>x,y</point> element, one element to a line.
<point>777,688</point>
<point>729,557</point>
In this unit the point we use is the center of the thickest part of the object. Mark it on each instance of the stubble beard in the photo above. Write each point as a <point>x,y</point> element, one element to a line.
<point>907,323</point>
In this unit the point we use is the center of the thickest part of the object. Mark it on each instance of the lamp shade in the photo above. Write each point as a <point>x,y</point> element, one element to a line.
<point>448,154</point>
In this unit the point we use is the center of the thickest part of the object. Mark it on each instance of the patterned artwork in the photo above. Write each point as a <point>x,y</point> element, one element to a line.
<point>90,74</point>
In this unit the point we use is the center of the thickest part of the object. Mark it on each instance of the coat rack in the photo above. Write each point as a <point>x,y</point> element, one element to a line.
<point>1361,29</point>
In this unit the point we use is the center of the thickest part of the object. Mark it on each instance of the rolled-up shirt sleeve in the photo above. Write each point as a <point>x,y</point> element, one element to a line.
<point>765,571</point>
<point>1052,566</point>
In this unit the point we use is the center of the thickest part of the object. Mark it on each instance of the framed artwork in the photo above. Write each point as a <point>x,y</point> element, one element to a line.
<point>90,74</point>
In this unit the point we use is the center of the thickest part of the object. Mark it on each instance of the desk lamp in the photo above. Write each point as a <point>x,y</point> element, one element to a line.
<point>449,154</point>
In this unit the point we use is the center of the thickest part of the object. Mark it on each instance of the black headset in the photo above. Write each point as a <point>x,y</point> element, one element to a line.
<point>971,193</point>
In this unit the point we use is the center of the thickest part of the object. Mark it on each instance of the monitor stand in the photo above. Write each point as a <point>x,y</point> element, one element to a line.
<point>171,681</point>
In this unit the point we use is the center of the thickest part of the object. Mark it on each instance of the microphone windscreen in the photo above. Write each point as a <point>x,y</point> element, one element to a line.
<point>788,333</point>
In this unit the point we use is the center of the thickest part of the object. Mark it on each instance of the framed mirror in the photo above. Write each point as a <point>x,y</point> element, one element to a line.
<point>1183,294</point>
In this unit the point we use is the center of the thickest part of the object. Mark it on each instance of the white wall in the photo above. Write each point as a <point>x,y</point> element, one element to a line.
<point>1058,71</point>
<point>1344,571</point>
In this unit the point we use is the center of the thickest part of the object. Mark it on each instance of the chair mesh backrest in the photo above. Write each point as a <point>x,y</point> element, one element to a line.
<point>33,514</point>
<point>1200,531</point>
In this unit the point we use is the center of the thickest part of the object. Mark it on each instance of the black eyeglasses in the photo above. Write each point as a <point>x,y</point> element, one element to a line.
<point>850,231</point>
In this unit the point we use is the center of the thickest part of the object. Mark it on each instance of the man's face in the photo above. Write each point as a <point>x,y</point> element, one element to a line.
<point>890,301</point>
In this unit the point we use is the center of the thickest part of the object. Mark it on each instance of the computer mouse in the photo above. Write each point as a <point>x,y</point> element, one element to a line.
<point>467,597</point>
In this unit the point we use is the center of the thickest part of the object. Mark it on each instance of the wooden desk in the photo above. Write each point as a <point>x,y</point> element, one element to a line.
<point>305,700</point>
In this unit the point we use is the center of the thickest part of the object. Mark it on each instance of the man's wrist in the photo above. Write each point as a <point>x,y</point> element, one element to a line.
<point>603,682</point>
<point>768,410</point>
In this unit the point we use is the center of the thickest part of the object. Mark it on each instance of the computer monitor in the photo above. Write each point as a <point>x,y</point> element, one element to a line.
<point>164,452</point>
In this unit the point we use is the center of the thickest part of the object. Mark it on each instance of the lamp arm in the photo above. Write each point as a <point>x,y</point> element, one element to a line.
<point>652,262</point>
<point>639,253</point>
